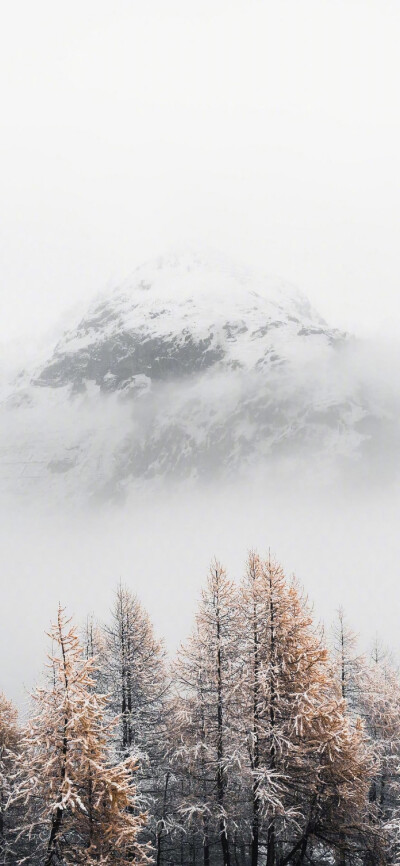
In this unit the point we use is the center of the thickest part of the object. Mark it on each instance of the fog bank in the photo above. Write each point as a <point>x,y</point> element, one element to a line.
<point>343,547</point>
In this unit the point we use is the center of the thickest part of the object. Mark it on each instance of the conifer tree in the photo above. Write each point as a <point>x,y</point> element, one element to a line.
<point>9,745</point>
<point>268,752</point>
<point>133,672</point>
<point>380,704</point>
<point>80,807</point>
<point>93,645</point>
<point>309,766</point>
<point>350,665</point>
<point>206,676</point>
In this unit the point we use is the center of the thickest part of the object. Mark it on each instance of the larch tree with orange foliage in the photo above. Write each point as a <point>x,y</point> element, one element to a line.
<point>80,806</point>
<point>309,766</point>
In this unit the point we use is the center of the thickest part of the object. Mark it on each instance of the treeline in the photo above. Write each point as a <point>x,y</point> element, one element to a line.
<point>256,746</point>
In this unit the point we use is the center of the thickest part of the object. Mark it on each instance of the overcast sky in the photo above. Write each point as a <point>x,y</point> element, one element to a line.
<point>269,129</point>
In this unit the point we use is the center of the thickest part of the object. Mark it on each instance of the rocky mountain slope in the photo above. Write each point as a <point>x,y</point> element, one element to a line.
<point>193,369</point>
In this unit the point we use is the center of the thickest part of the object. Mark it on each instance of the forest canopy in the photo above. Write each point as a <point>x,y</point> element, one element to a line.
<point>264,741</point>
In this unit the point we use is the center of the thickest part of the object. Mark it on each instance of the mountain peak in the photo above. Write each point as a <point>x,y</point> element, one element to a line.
<point>194,274</point>
<point>180,314</point>
<point>193,367</point>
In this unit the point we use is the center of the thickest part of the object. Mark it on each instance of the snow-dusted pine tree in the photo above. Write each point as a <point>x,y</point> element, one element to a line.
<point>349,663</point>
<point>252,652</point>
<point>133,672</point>
<point>380,706</point>
<point>9,745</point>
<point>80,806</point>
<point>93,644</point>
<point>206,755</point>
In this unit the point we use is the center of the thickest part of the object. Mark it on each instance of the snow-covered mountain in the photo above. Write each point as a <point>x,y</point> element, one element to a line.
<point>181,316</point>
<point>192,369</point>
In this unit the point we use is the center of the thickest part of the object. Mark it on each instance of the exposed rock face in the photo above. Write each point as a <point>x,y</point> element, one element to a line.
<point>191,369</point>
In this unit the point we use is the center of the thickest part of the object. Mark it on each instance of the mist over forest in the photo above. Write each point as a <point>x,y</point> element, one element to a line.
<point>185,712</point>
<point>337,532</point>
<point>199,433</point>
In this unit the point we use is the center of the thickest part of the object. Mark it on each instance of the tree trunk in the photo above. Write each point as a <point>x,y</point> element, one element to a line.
<point>129,688</point>
<point>271,845</point>
<point>302,852</point>
<point>272,753</point>
<point>235,854</point>
<point>192,847</point>
<point>206,845</point>
<point>59,812</point>
<point>220,752</point>
<point>162,822</point>
<point>256,754</point>
<point>1,828</point>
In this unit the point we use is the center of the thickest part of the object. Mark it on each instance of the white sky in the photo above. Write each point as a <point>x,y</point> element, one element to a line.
<point>267,128</point>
